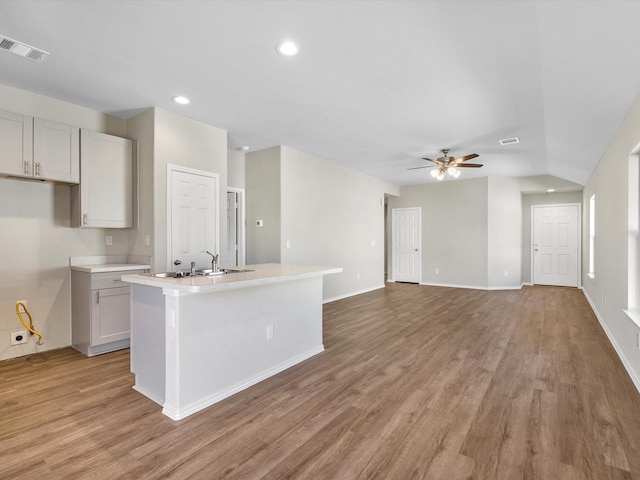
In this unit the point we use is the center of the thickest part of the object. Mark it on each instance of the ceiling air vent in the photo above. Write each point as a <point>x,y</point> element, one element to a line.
<point>22,49</point>
<point>509,141</point>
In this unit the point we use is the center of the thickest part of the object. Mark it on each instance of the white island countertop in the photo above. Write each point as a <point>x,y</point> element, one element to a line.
<point>250,276</point>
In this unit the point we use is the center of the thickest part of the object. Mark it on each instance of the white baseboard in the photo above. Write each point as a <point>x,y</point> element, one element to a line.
<point>352,294</point>
<point>180,413</point>
<point>472,287</point>
<point>627,364</point>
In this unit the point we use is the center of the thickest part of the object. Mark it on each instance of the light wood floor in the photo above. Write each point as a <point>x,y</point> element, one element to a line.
<point>416,382</point>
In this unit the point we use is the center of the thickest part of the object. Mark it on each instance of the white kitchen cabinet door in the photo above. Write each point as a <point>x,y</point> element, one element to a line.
<point>105,195</point>
<point>110,317</point>
<point>16,144</point>
<point>56,151</point>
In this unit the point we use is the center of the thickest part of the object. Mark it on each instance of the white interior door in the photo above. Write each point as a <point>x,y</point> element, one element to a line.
<point>555,245</point>
<point>406,244</point>
<point>193,219</point>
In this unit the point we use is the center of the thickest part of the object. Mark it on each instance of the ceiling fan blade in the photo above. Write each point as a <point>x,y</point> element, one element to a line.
<point>416,168</point>
<point>469,165</point>
<point>438,161</point>
<point>466,157</point>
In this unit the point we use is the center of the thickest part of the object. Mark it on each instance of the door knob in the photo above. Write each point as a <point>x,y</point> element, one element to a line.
<point>416,249</point>
<point>177,262</point>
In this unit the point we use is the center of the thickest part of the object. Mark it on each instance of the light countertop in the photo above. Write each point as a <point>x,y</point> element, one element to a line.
<point>255,275</point>
<point>110,267</point>
<point>109,263</point>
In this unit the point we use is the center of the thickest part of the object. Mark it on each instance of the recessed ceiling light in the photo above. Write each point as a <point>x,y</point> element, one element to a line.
<point>551,190</point>
<point>287,48</point>
<point>509,141</point>
<point>245,148</point>
<point>181,100</point>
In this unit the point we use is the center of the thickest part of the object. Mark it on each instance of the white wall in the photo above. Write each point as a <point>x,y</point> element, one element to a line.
<point>608,290</point>
<point>36,239</point>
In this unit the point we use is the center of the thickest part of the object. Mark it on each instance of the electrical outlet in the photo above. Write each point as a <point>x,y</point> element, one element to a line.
<point>21,301</point>
<point>18,338</point>
<point>269,332</point>
<point>109,240</point>
<point>437,270</point>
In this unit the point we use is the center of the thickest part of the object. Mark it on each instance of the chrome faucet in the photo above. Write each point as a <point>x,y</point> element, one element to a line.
<point>193,268</point>
<point>214,262</point>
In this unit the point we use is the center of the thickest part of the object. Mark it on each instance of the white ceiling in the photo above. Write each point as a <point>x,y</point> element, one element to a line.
<point>377,84</point>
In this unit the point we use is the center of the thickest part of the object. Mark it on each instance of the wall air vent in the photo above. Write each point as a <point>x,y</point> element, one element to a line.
<point>22,49</point>
<point>509,141</point>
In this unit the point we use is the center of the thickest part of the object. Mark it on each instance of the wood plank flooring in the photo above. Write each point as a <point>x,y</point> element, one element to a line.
<point>416,382</point>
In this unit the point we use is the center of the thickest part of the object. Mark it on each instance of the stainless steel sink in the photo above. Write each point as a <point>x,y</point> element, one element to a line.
<point>203,272</point>
<point>222,271</point>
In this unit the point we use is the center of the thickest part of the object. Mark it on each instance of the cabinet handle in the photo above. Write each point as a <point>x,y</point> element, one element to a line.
<point>26,168</point>
<point>37,169</point>
<point>85,219</point>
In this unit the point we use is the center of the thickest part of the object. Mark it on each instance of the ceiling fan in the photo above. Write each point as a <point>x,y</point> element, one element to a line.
<point>449,164</point>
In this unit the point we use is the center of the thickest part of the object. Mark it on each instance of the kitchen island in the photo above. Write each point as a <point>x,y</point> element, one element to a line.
<point>199,339</point>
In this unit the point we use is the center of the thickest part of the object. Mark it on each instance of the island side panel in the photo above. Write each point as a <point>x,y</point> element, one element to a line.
<point>148,341</point>
<point>218,343</point>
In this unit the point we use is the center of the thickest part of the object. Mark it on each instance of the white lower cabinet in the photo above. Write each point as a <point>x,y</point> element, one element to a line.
<point>100,311</point>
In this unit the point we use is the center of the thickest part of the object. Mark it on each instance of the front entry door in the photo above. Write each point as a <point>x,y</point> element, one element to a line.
<point>555,245</point>
<point>406,244</point>
<point>193,218</point>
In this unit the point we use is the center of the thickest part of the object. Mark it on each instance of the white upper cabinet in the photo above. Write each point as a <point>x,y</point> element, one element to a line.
<point>16,143</point>
<point>105,196</point>
<point>56,151</point>
<point>36,148</point>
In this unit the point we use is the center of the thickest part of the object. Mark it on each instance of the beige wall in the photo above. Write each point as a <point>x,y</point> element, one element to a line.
<point>235,169</point>
<point>454,230</point>
<point>316,212</point>
<point>187,143</point>
<point>608,290</point>
<point>36,239</point>
<point>504,232</point>
<point>263,202</point>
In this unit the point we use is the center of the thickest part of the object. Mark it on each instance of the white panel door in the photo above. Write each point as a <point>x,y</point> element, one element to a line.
<point>406,244</point>
<point>193,219</point>
<point>555,245</point>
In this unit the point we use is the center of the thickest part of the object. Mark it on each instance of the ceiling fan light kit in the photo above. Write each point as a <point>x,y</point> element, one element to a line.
<point>447,164</point>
